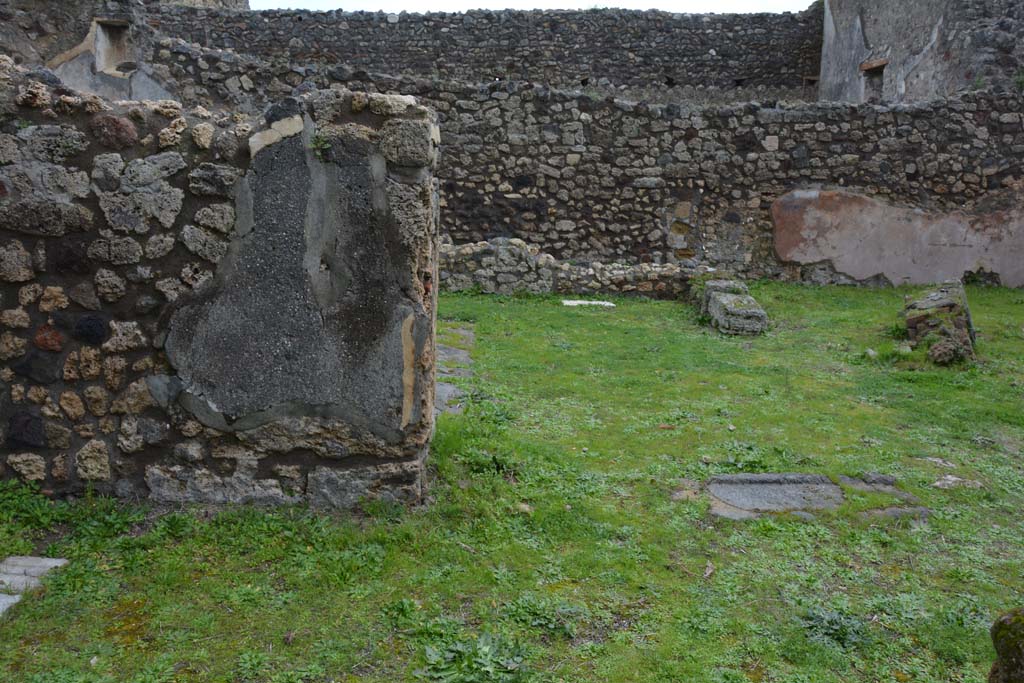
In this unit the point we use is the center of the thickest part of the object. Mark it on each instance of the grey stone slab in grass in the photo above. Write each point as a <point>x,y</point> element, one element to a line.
<point>876,483</point>
<point>754,493</point>
<point>468,334</point>
<point>8,601</point>
<point>446,399</point>
<point>448,355</point>
<point>30,566</point>
<point>19,573</point>
<point>17,583</point>
<point>915,514</point>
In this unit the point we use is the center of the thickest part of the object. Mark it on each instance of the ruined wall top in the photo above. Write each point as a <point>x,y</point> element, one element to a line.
<point>214,4</point>
<point>561,48</point>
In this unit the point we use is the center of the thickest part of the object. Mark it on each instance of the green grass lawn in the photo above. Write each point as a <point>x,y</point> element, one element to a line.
<point>551,548</point>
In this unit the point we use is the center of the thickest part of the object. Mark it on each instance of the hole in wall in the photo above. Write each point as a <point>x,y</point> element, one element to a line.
<point>112,48</point>
<point>584,82</point>
<point>874,80</point>
<point>670,82</point>
<point>874,85</point>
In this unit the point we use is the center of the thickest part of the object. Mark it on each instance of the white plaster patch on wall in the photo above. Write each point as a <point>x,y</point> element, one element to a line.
<point>279,130</point>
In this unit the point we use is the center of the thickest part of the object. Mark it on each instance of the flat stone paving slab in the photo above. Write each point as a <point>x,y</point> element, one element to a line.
<point>452,362</point>
<point>19,573</point>
<point>573,303</point>
<point>8,601</point>
<point>30,566</point>
<point>448,356</point>
<point>748,496</point>
<point>446,399</point>
<point>776,492</point>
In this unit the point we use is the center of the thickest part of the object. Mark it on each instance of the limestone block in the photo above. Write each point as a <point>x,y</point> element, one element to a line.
<point>712,287</point>
<point>29,466</point>
<point>15,262</point>
<point>93,461</point>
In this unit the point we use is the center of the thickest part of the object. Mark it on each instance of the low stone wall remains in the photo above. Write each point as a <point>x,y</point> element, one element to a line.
<point>510,266</point>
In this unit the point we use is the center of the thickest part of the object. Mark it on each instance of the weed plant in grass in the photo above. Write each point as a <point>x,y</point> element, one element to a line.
<point>552,549</point>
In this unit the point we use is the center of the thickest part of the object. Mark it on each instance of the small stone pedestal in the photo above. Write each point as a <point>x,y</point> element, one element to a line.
<point>731,309</point>
<point>943,319</point>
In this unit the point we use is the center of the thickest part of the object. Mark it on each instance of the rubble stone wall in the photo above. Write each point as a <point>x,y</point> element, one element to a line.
<point>215,308</point>
<point>610,180</point>
<point>508,266</point>
<point>559,48</point>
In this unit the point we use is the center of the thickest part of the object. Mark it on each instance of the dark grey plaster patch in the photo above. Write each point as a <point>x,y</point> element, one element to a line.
<point>304,316</point>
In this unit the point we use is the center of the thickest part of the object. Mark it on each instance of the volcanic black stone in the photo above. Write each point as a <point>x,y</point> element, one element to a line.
<point>90,329</point>
<point>44,76</point>
<point>68,256</point>
<point>25,428</point>
<point>284,109</point>
<point>41,367</point>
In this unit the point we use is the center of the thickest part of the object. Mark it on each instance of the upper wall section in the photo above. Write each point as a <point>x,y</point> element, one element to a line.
<point>878,50</point>
<point>560,48</point>
<point>215,4</point>
<point>34,31</point>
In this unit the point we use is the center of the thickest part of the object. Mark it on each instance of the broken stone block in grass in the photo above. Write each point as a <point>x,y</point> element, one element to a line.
<point>1008,639</point>
<point>941,320</point>
<point>731,309</point>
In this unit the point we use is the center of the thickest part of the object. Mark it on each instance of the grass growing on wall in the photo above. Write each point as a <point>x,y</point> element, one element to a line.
<point>552,549</point>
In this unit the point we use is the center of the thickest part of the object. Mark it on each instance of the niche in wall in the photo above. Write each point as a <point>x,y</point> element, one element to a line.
<point>112,49</point>
<point>874,80</point>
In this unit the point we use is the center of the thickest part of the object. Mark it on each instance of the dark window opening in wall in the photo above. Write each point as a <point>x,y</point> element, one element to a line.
<point>670,82</point>
<point>584,82</point>
<point>739,82</point>
<point>113,48</point>
<point>874,80</point>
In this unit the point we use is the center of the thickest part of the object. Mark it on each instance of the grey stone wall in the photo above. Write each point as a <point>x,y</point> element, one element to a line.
<point>558,48</point>
<point>930,48</point>
<point>216,308</point>
<point>34,31</point>
<point>507,266</point>
<point>211,4</point>
<point>610,180</point>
